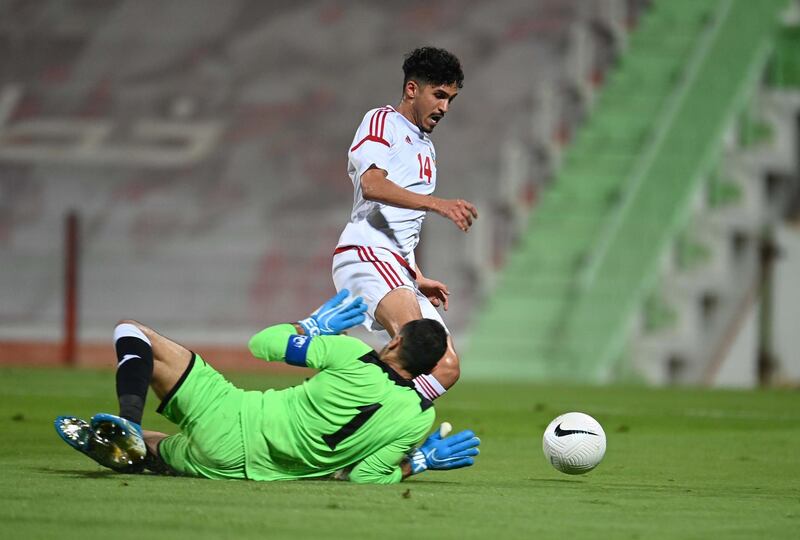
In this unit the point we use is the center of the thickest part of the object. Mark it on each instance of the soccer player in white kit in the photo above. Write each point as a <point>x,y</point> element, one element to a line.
<point>392,164</point>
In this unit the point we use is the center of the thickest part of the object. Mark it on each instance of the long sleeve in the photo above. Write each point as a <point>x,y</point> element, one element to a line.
<point>382,467</point>
<point>270,344</point>
<point>281,343</point>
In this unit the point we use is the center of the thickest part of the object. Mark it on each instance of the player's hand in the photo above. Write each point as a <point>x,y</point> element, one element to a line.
<point>435,291</point>
<point>440,453</point>
<point>335,316</point>
<point>459,211</point>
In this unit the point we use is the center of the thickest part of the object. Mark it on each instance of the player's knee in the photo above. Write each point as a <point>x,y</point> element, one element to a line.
<point>137,324</point>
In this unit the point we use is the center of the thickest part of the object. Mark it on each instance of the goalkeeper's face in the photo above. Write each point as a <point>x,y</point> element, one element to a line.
<point>390,354</point>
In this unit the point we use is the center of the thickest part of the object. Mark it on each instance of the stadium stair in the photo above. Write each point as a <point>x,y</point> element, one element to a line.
<point>588,265</point>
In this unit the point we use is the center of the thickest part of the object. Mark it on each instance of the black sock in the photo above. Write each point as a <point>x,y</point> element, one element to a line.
<point>134,370</point>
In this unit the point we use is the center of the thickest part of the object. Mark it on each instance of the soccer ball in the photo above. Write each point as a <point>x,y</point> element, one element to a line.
<point>574,443</point>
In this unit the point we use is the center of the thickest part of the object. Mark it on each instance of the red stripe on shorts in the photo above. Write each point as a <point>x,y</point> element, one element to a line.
<point>388,267</point>
<point>400,260</point>
<point>362,253</point>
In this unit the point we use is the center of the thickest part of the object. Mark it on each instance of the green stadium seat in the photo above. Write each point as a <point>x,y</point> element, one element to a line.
<point>565,300</point>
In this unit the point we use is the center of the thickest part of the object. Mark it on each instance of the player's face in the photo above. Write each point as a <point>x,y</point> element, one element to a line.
<point>431,103</point>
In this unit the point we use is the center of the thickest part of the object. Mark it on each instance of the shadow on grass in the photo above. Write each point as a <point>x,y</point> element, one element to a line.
<point>557,480</point>
<point>98,474</point>
<point>79,473</point>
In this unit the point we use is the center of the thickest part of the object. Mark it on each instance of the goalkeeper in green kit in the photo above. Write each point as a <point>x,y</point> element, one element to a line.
<point>359,418</point>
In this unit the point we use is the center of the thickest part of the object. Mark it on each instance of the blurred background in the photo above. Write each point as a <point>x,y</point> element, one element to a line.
<point>635,164</point>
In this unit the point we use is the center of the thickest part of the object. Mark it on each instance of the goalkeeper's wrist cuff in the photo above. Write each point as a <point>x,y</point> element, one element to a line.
<point>417,460</point>
<point>310,326</point>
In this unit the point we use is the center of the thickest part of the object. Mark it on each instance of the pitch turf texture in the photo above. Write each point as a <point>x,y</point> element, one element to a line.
<point>680,464</point>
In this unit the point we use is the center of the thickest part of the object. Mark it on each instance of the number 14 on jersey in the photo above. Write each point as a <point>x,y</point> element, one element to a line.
<point>425,167</point>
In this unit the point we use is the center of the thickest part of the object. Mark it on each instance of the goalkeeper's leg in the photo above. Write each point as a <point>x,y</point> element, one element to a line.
<point>144,358</point>
<point>154,462</point>
<point>78,433</point>
<point>209,444</point>
<point>164,363</point>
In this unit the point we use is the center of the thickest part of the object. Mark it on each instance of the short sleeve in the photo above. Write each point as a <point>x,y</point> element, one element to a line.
<point>373,141</point>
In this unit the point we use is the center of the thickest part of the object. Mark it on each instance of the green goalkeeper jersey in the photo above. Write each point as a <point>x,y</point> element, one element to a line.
<point>355,414</point>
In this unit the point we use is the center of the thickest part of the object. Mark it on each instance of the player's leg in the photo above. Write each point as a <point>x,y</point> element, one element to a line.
<point>392,300</point>
<point>449,367</point>
<point>143,356</point>
<point>199,400</point>
<point>203,404</point>
<point>116,441</point>
<point>154,462</point>
<point>152,438</point>
<point>170,360</point>
<point>401,306</point>
<point>208,410</point>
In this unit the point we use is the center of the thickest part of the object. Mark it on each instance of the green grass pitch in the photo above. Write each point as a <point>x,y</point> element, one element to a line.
<point>679,464</point>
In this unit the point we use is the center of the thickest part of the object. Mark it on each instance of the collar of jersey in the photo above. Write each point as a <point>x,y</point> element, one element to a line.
<point>418,132</point>
<point>373,358</point>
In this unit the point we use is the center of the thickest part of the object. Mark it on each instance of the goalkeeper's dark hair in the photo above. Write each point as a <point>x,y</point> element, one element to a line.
<point>424,343</point>
<point>432,66</point>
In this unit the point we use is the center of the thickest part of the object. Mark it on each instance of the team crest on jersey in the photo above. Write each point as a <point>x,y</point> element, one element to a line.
<point>408,140</point>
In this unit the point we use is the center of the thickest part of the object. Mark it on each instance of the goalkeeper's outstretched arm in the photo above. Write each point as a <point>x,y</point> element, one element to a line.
<point>331,318</point>
<point>438,452</point>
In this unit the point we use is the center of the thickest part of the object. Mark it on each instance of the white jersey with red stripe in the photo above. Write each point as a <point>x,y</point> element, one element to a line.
<point>388,140</point>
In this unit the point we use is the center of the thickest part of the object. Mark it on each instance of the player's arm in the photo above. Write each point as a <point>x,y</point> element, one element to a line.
<point>436,291</point>
<point>382,467</point>
<point>271,343</point>
<point>376,186</point>
<point>294,343</point>
<point>370,157</point>
<point>394,462</point>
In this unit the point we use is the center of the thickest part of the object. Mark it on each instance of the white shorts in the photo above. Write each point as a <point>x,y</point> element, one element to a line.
<point>371,273</point>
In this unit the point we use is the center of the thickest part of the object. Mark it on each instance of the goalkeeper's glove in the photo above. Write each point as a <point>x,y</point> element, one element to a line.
<point>442,453</point>
<point>334,316</point>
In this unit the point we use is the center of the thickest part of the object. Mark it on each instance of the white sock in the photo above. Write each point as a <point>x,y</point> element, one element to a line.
<point>428,386</point>
<point>129,330</point>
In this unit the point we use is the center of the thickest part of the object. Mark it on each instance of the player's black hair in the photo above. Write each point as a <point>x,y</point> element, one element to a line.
<point>424,343</point>
<point>429,65</point>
